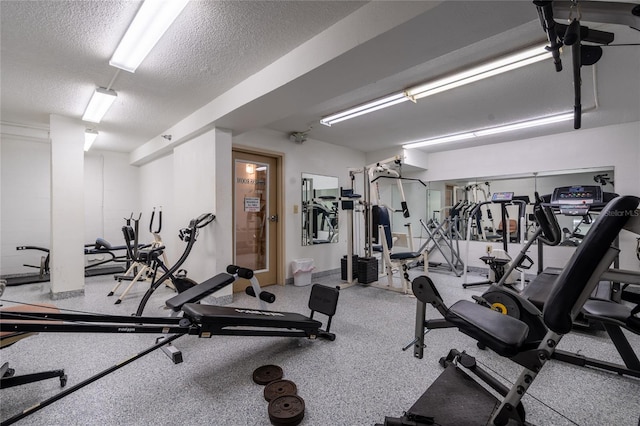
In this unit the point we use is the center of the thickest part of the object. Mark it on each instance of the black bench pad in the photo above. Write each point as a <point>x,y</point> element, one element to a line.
<point>502,333</point>
<point>603,310</point>
<point>404,255</point>
<point>218,317</point>
<point>200,291</point>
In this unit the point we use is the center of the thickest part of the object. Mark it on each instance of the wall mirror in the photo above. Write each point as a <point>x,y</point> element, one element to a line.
<point>459,196</point>
<point>319,209</point>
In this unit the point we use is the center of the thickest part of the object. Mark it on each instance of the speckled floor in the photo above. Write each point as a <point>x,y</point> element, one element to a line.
<point>358,379</point>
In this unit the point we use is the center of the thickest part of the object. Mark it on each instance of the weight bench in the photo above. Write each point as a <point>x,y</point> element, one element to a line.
<point>224,320</point>
<point>511,337</point>
<point>198,319</point>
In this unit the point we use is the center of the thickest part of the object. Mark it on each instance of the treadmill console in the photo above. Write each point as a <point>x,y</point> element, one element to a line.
<point>576,200</point>
<point>501,197</point>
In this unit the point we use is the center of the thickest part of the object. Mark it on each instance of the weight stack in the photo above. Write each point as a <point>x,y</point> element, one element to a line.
<point>367,270</point>
<point>343,267</point>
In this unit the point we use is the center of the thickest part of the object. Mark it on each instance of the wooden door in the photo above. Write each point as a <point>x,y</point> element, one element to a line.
<point>255,216</point>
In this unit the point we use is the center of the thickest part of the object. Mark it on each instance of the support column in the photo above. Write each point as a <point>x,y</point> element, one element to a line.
<point>67,207</point>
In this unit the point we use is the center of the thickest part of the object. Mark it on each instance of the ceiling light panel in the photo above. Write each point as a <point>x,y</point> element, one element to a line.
<point>376,105</point>
<point>89,138</point>
<point>491,130</point>
<point>100,102</point>
<point>150,23</point>
<point>489,69</point>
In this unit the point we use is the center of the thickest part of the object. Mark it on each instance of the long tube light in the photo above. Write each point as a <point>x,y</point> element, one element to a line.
<point>384,102</point>
<point>150,23</point>
<point>489,69</point>
<point>491,130</point>
<point>89,138</point>
<point>100,102</point>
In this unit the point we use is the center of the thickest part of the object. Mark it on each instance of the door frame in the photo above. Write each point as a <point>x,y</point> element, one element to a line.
<point>280,228</point>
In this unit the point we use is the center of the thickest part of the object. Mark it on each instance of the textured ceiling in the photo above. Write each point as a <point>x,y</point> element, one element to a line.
<point>53,53</point>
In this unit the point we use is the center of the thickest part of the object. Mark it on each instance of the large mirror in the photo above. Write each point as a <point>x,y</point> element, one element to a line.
<point>319,209</point>
<point>458,197</point>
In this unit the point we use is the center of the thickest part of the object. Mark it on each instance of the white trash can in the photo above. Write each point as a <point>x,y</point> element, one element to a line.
<point>302,269</point>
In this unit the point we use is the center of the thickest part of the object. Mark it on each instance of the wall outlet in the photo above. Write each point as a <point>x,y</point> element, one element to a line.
<point>295,209</point>
<point>489,249</point>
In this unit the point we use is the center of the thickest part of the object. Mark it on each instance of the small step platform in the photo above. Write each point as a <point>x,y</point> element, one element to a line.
<point>453,399</point>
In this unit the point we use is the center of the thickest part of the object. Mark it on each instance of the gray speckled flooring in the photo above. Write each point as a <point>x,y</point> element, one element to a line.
<point>358,379</point>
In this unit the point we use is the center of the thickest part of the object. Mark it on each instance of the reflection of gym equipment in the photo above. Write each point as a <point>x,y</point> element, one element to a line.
<point>100,248</point>
<point>445,233</point>
<point>197,319</point>
<point>510,337</point>
<point>319,217</point>
<point>319,214</point>
<point>497,264</point>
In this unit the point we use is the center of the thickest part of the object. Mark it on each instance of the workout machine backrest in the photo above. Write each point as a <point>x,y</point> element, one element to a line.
<point>571,285</point>
<point>382,215</point>
<point>546,219</point>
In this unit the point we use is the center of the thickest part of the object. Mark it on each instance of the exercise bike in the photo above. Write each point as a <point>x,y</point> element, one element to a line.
<point>178,277</point>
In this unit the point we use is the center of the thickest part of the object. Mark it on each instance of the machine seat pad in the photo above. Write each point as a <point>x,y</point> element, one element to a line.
<point>404,255</point>
<point>603,310</point>
<point>200,291</point>
<point>502,333</point>
<point>217,317</point>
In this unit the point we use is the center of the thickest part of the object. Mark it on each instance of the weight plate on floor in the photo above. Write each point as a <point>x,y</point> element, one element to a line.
<point>286,410</point>
<point>266,374</point>
<point>278,388</point>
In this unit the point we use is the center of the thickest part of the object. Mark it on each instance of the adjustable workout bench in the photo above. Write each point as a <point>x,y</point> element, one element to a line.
<point>198,319</point>
<point>510,337</point>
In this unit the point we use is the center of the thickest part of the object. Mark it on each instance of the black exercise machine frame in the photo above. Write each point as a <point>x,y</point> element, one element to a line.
<point>510,337</point>
<point>174,327</point>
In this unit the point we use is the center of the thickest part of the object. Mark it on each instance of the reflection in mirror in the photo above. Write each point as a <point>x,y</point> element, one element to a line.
<point>460,197</point>
<point>319,209</point>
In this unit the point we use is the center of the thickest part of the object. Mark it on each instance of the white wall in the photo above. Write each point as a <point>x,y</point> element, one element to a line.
<point>194,179</point>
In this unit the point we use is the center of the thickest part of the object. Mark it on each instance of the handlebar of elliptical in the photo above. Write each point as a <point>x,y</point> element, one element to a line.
<point>202,220</point>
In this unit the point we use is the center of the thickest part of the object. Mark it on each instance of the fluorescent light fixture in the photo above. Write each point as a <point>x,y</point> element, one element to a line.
<point>99,104</point>
<point>489,69</point>
<point>152,20</point>
<point>525,124</point>
<point>499,66</point>
<point>492,130</point>
<point>89,137</point>
<point>384,102</point>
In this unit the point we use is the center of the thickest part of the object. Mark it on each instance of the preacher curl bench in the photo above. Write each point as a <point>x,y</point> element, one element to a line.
<point>455,398</point>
